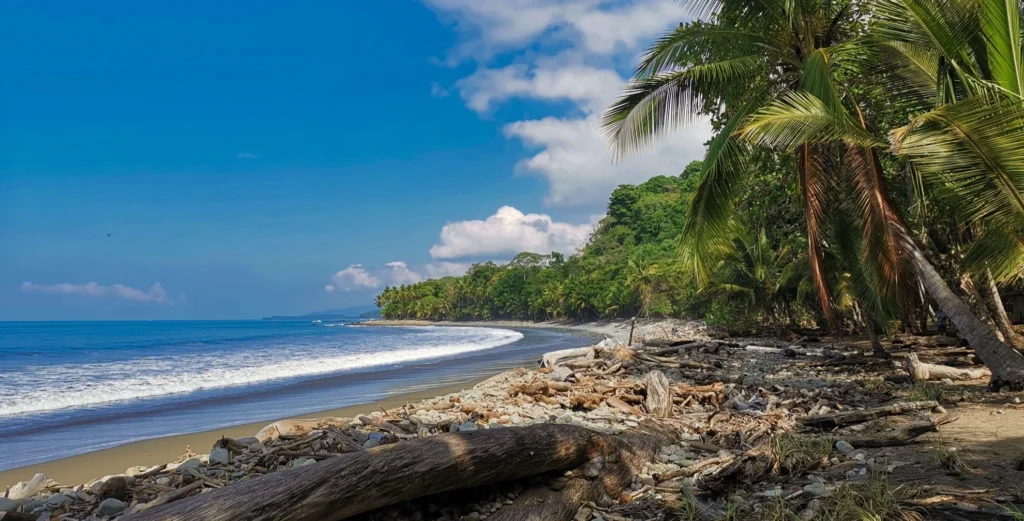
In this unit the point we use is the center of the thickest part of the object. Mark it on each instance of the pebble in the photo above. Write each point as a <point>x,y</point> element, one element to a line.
<point>110,507</point>
<point>844,447</point>
<point>947,381</point>
<point>115,487</point>
<point>1016,400</point>
<point>939,409</point>
<point>371,443</point>
<point>163,480</point>
<point>468,426</point>
<point>302,462</point>
<point>220,455</point>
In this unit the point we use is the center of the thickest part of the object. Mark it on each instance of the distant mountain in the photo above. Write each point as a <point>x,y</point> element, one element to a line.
<point>330,314</point>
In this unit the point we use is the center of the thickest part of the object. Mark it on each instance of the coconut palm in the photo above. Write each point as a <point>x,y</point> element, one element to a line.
<point>786,57</point>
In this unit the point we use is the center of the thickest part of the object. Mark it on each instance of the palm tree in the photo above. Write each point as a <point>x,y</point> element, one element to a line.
<point>785,56</point>
<point>640,274</point>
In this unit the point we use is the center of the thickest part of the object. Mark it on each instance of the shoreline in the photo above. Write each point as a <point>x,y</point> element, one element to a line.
<point>81,468</point>
<point>156,451</point>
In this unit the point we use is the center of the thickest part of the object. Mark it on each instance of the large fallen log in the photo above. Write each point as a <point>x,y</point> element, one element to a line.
<point>838,419</point>
<point>605,476</point>
<point>921,371</point>
<point>342,487</point>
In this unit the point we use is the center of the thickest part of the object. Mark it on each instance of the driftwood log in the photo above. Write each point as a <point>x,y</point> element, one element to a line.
<point>904,435</point>
<point>552,358</point>
<point>659,397</point>
<point>344,486</point>
<point>839,419</point>
<point>921,371</point>
<point>607,475</point>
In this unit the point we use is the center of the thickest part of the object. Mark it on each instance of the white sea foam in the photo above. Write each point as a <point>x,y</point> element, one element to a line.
<point>48,388</point>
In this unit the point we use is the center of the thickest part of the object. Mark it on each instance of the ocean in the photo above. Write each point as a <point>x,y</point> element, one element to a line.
<point>68,388</point>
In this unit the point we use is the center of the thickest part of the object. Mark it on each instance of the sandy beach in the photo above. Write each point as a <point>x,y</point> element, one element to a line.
<point>83,467</point>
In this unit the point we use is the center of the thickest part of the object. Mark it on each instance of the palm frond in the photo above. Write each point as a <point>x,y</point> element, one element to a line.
<point>800,117</point>
<point>706,225</point>
<point>946,26</point>
<point>971,150</point>
<point>654,106</point>
<point>998,250</point>
<point>814,188</point>
<point>694,43</point>
<point>1000,26</point>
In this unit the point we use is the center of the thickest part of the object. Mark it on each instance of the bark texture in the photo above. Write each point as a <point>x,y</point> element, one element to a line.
<point>1007,364</point>
<point>659,397</point>
<point>839,419</point>
<point>990,293</point>
<point>342,487</point>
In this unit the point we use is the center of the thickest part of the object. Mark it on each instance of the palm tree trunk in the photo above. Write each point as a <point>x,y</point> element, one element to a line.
<point>876,344</point>
<point>978,304</point>
<point>1006,364</point>
<point>990,294</point>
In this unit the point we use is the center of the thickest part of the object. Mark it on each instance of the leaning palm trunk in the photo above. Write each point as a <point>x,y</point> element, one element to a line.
<point>990,294</point>
<point>1007,364</point>
<point>979,306</point>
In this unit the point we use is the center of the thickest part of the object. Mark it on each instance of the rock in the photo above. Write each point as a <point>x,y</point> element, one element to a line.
<point>468,426</point>
<point>115,487</point>
<point>844,447</point>
<point>248,441</point>
<point>302,462</point>
<point>858,454</point>
<point>8,504</point>
<point>220,455</point>
<point>947,381</point>
<point>191,463</point>
<point>135,471</point>
<point>32,487</point>
<point>57,500</point>
<point>816,489</point>
<point>939,410</point>
<point>110,507</point>
<point>163,481</point>
<point>371,443</point>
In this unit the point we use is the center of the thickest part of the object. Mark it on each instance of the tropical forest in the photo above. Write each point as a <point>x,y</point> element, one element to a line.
<point>866,175</point>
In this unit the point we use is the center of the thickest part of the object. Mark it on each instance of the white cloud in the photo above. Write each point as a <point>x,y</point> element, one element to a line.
<point>355,277</point>
<point>437,91</point>
<point>590,87</point>
<point>570,150</point>
<point>155,293</point>
<point>246,155</point>
<point>509,231</point>
<point>575,158</point>
<point>398,273</point>
<point>436,270</point>
<point>596,26</point>
<point>330,289</point>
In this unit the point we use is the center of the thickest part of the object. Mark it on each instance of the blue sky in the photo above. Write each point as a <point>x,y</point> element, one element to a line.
<point>265,158</point>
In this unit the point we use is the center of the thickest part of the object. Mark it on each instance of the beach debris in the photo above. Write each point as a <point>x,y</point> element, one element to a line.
<point>110,507</point>
<point>718,423</point>
<point>921,371</point>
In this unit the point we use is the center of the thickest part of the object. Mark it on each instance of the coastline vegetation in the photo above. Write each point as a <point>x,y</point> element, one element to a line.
<point>865,174</point>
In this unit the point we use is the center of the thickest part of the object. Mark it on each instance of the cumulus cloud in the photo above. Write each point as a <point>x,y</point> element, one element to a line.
<point>596,26</point>
<point>398,273</point>
<point>436,270</point>
<point>569,150</point>
<point>573,155</point>
<point>330,289</point>
<point>154,294</point>
<point>355,277</point>
<point>509,231</point>
<point>590,87</point>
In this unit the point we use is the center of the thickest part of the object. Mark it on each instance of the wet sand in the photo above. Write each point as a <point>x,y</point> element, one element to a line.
<point>85,467</point>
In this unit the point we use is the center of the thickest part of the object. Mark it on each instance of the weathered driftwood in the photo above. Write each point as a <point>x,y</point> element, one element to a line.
<point>341,487</point>
<point>902,436</point>
<point>659,397</point>
<point>838,419</point>
<point>606,475</point>
<point>921,371</point>
<point>552,358</point>
<point>18,516</point>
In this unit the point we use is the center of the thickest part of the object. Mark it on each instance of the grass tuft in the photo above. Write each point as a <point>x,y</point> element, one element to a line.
<point>948,457</point>
<point>796,454</point>
<point>870,500</point>
<point>926,391</point>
